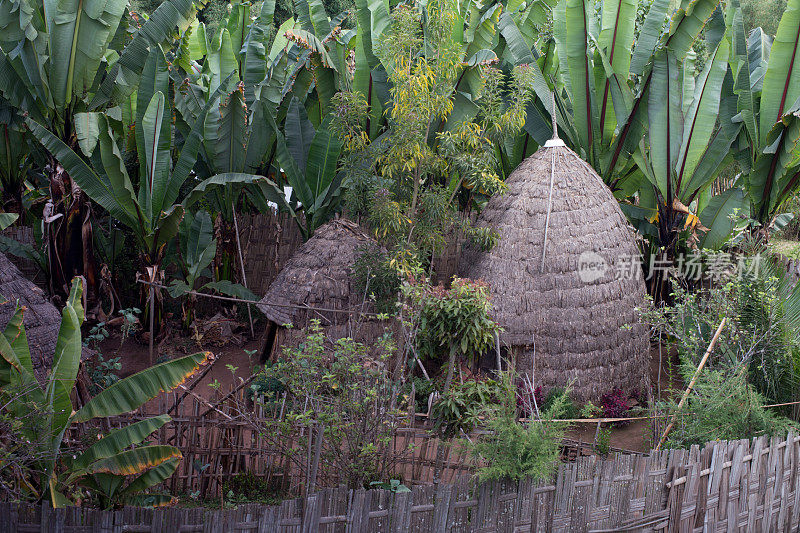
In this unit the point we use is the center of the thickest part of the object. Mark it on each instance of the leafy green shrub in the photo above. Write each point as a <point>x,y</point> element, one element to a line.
<point>246,487</point>
<point>422,392</point>
<point>562,395</point>
<point>461,407</point>
<point>512,450</point>
<point>347,394</point>
<point>451,322</point>
<point>762,333</point>
<point>377,278</point>
<point>722,406</point>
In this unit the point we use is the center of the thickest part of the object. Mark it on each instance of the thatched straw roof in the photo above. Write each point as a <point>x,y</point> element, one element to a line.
<point>319,275</point>
<point>41,318</point>
<point>561,322</point>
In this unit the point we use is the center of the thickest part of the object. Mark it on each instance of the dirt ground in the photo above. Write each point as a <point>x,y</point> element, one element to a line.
<point>134,357</point>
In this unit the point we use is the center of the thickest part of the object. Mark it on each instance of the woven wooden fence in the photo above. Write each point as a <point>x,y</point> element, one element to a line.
<point>727,486</point>
<point>221,440</point>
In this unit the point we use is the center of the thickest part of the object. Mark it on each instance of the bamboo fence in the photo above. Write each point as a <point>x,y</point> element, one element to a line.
<point>725,486</point>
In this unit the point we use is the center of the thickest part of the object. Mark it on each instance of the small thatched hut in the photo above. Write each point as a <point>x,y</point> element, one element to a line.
<point>563,286</point>
<point>41,318</point>
<point>317,282</point>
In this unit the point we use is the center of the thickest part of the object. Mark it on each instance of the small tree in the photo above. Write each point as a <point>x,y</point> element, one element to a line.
<point>455,321</point>
<point>343,397</point>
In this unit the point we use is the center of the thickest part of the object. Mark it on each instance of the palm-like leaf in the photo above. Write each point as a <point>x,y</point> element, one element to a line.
<point>80,31</point>
<point>782,79</point>
<point>129,393</point>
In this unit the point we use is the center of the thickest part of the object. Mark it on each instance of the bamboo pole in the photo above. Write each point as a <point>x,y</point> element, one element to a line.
<point>691,383</point>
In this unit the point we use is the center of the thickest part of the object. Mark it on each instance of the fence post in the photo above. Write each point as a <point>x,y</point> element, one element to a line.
<point>311,512</point>
<point>675,498</point>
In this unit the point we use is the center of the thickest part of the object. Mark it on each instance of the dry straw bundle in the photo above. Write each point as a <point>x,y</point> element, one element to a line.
<point>41,318</point>
<point>564,277</point>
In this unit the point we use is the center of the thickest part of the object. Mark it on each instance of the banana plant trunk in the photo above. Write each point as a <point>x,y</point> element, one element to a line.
<point>68,226</point>
<point>225,260</point>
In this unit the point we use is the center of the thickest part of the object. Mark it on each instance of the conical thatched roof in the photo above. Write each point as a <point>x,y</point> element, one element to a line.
<point>319,275</point>
<point>563,319</point>
<point>41,318</point>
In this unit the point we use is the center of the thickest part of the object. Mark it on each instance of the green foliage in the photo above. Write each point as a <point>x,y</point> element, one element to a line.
<point>347,395</point>
<point>246,487</point>
<point>102,372</point>
<point>603,446</point>
<point>760,336</point>
<point>459,409</point>
<point>451,322</point>
<point>562,396</point>
<point>393,485</point>
<point>723,406</point>
<point>55,470</point>
<point>434,157</point>
<point>512,450</point>
<point>377,279</point>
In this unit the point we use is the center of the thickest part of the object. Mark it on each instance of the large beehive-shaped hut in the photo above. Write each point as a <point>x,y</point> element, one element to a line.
<point>41,318</point>
<point>317,283</point>
<point>561,279</point>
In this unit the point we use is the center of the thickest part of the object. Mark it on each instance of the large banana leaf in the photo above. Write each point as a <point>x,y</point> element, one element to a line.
<point>199,237</point>
<point>150,478</point>
<point>156,157</point>
<point>782,79</point>
<point>155,79</point>
<point>649,36</point>
<point>616,39</point>
<point>701,117</point>
<point>66,362</point>
<point>16,368</point>
<point>254,65</point>
<point>129,393</point>
<point>323,156</point>
<point>226,133</point>
<point>717,216</point>
<point>98,187</point>
<point>134,461</point>
<point>23,83</point>
<point>80,31</point>
<point>666,122</point>
<point>123,77</point>
<point>118,440</point>
<point>299,132</point>
<point>221,60</point>
<point>773,176</point>
<point>687,23</point>
<point>577,41</point>
<point>227,179</point>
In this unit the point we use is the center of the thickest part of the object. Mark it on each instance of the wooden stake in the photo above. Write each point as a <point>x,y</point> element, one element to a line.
<point>241,263</point>
<point>691,383</point>
<point>152,312</point>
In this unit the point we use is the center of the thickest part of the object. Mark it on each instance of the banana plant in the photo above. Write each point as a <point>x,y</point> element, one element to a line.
<point>604,78</point>
<point>308,159</point>
<point>153,213</point>
<point>768,91</point>
<point>197,248</point>
<point>687,144</point>
<point>254,73</point>
<point>58,59</point>
<point>107,465</point>
<point>15,159</point>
